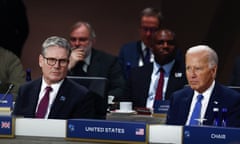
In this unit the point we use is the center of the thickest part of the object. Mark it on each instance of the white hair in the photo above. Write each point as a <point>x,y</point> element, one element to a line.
<point>211,54</point>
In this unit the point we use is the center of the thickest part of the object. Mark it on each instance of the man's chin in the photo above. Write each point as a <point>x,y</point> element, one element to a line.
<point>56,79</point>
<point>195,87</point>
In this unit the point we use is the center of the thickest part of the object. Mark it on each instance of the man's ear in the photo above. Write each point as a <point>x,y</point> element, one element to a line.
<point>40,60</point>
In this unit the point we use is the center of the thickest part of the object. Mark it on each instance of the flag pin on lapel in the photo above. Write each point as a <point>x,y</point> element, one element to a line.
<point>178,74</point>
<point>62,98</point>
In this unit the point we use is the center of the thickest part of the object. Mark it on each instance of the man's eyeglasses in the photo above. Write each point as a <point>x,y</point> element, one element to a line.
<point>169,42</point>
<point>82,39</point>
<point>149,29</point>
<point>53,61</point>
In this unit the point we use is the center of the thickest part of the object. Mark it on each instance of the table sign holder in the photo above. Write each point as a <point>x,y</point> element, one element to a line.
<point>210,135</point>
<point>162,110</point>
<point>7,122</point>
<point>165,134</point>
<point>106,131</point>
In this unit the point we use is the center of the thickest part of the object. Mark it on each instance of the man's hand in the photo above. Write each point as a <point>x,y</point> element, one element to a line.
<point>77,55</point>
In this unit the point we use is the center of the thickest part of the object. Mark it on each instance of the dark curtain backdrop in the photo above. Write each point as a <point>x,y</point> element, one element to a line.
<point>116,22</point>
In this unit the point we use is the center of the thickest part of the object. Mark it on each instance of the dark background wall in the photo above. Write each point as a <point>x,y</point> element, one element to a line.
<point>116,22</point>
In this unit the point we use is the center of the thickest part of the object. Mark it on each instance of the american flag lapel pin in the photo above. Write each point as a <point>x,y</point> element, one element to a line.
<point>178,74</point>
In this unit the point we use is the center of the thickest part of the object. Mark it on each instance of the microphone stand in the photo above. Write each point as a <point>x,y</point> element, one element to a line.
<point>3,99</point>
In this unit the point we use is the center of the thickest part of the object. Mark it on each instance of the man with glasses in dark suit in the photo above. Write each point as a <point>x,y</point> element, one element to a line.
<point>138,53</point>
<point>53,96</point>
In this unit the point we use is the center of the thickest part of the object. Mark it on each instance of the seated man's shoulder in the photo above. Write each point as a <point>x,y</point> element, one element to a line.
<point>75,86</point>
<point>30,85</point>
<point>146,68</point>
<point>130,44</point>
<point>104,55</point>
<point>184,92</point>
<point>4,53</point>
<point>233,91</point>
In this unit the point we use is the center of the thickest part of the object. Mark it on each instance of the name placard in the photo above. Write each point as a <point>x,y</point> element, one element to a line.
<point>106,131</point>
<point>165,134</point>
<point>6,100</point>
<point>6,126</point>
<point>163,107</point>
<point>211,135</point>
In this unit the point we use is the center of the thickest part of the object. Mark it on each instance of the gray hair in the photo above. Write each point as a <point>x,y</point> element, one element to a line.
<point>211,54</point>
<point>56,41</point>
<point>87,25</point>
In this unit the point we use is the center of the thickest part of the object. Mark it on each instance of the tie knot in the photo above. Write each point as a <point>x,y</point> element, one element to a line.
<point>161,69</point>
<point>48,89</point>
<point>199,97</point>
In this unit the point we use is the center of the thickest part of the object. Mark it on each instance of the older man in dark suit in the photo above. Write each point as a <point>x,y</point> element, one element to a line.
<point>54,96</point>
<point>204,96</point>
<point>87,61</point>
<point>143,81</point>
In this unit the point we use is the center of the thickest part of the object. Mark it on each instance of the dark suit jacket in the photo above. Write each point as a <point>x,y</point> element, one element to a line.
<point>130,54</point>
<point>140,78</point>
<point>225,97</point>
<point>235,77</point>
<point>105,65</point>
<point>72,101</point>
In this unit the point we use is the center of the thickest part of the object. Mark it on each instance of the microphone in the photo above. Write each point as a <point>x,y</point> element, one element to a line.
<point>3,99</point>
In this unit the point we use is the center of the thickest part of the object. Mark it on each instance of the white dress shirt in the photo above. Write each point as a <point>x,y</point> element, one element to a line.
<point>154,82</point>
<point>140,62</point>
<point>55,87</point>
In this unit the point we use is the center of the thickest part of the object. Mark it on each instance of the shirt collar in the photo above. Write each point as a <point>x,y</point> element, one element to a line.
<point>143,46</point>
<point>167,67</point>
<point>208,92</point>
<point>55,85</point>
<point>88,58</point>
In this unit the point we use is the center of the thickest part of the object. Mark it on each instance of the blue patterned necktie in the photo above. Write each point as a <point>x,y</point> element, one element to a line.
<point>196,111</point>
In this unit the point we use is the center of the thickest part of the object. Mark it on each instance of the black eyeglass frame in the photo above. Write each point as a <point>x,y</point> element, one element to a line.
<point>52,61</point>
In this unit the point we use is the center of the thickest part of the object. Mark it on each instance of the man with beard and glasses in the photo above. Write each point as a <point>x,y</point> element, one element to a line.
<point>88,61</point>
<point>168,65</point>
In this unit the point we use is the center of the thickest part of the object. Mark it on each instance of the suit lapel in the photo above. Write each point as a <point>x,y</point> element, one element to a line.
<point>213,102</point>
<point>34,95</point>
<point>186,103</point>
<point>95,64</point>
<point>176,79</point>
<point>147,78</point>
<point>61,98</point>
<point>139,53</point>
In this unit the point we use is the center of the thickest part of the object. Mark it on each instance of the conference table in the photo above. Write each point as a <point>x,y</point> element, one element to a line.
<point>38,140</point>
<point>28,131</point>
<point>49,131</point>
